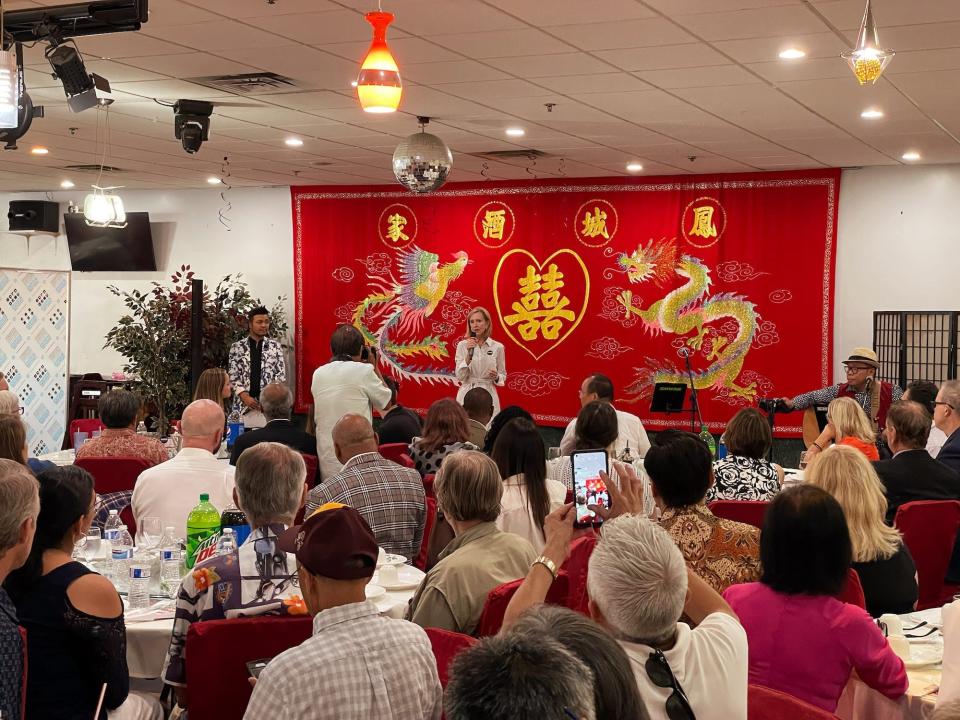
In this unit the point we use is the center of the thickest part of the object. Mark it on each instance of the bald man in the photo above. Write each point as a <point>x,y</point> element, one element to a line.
<point>277,403</point>
<point>170,490</point>
<point>389,496</point>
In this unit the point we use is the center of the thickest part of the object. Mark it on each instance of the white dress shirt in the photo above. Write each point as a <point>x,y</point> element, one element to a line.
<point>170,490</point>
<point>935,440</point>
<point>487,356</point>
<point>341,387</point>
<point>629,430</point>
<point>515,516</point>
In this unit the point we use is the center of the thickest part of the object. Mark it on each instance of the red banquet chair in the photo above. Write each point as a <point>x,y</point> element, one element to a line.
<point>495,607</point>
<point>428,485</point>
<point>929,528</point>
<point>446,646</point>
<point>113,475</point>
<point>750,512</point>
<point>763,703</point>
<point>86,425</point>
<point>312,466</point>
<point>576,569</point>
<point>398,453</point>
<point>852,592</point>
<point>429,523</point>
<point>217,654</point>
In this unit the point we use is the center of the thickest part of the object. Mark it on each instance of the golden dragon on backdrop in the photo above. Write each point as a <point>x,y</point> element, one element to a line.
<point>688,309</point>
<point>399,307</point>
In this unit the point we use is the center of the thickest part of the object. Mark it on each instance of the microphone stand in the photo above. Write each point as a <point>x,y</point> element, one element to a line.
<point>694,404</point>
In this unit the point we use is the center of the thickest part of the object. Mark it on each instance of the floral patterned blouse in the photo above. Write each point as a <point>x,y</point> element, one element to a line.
<point>273,369</point>
<point>742,478</point>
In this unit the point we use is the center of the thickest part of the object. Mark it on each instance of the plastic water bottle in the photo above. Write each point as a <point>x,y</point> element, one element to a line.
<point>227,544</point>
<point>141,428</point>
<point>138,596</point>
<point>707,437</point>
<point>121,553</point>
<point>202,522</point>
<point>111,531</point>
<point>722,448</point>
<point>171,562</point>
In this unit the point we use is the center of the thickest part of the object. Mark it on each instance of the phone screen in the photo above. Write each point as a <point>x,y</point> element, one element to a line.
<point>255,667</point>
<point>588,488</point>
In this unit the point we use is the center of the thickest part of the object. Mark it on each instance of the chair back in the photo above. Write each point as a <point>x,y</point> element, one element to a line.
<point>929,528</point>
<point>428,485</point>
<point>495,607</point>
<point>576,568</point>
<point>217,654</point>
<point>852,592</point>
<point>23,681</point>
<point>750,512</point>
<point>446,646</point>
<point>86,425</point>
<point>429,523</point>
<point>115,474</point>
<point>395,452</point>
<point>764,703</point>
<point>312,466</point>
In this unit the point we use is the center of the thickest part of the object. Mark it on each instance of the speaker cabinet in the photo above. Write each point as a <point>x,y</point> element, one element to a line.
<point>34,216</point>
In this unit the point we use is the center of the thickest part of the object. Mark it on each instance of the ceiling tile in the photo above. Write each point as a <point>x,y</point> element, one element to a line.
<point>755,22</point>
<point>502,43</point>
<point>222,34</point>
<point>534,66</point>
<point>623,34</point>
<point>450,72</point>
<point>596,83</point>
<point>664,57</point>
<point>711,76</point>
<point>571,12</point>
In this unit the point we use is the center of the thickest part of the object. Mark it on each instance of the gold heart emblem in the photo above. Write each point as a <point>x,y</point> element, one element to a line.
<point>538,300</point>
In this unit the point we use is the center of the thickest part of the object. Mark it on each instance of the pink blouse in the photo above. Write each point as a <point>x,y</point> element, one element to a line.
<point>807,645</point>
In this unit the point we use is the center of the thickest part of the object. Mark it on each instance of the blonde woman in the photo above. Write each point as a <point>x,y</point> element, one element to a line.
<point>881,559</point>
<point>480,360</point>
<point>214,384</point>
<point>852,426</point>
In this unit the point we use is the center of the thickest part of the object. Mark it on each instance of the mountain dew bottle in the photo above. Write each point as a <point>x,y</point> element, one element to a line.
<point>203,522</point>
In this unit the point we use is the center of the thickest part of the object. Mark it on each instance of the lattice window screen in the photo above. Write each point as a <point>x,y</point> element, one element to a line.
<point>916,345</point>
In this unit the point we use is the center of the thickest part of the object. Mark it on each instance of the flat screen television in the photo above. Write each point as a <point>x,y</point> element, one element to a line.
<point>105,248</point>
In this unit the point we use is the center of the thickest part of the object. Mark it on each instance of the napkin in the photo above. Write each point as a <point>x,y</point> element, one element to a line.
<point>950,681</point>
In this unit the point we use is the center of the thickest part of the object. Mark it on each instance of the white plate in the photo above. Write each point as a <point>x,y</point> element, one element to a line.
<point>923,655</point>
<point>391,559</point>
<point>374,591</point>
<point>407,579</point>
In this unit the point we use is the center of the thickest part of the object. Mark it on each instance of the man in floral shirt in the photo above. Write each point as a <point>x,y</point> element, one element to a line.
<point>255,362</point>
<point>257,579</point>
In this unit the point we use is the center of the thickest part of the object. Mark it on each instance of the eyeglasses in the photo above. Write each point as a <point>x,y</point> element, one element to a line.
<point>851,369</point>
<point>658,670</point>
<point>935,402</point>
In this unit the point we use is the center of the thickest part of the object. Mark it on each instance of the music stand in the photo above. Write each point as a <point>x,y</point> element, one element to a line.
<point>668,397</point>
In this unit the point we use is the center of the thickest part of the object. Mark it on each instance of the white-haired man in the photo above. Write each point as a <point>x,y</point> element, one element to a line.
<point>19,508</point>
<point>170,490</point>
<point>258,578</point>
<point>639,587</point>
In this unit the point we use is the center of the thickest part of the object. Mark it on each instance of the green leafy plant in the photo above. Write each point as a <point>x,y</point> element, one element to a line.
<point>154,336</point>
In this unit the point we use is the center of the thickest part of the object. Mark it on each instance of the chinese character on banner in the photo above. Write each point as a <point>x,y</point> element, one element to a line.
<point>397,226</point>
<point>703,222</point>
<point>541,309</point>
<point>595,223</point>
<point>493,225</point>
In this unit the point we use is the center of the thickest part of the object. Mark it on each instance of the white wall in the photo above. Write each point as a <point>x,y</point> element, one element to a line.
<point>187,231</point>
<point>897,248</point>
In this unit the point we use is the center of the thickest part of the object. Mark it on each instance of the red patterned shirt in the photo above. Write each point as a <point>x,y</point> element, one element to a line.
<point>124,443</point>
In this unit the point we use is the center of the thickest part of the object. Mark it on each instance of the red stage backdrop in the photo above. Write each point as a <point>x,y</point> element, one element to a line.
<point>591,275</point>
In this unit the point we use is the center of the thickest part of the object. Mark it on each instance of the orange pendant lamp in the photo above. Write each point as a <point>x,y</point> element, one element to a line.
<point>378,86</point>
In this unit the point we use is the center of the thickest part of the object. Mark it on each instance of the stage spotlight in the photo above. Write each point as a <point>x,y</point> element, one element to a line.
<point>83,90</point>
<point>191,123</point>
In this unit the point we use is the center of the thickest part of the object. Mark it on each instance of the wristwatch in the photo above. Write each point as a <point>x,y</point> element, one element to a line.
<point>548,564</point>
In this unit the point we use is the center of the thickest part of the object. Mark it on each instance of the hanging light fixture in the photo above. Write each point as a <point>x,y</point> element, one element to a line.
<point>99,208</point>
<point>868,60</point>
<point>422,161</point>
<point>378,85</point>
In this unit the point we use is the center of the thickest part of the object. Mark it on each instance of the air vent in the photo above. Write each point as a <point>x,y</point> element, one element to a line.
<point>94,168</point>
<point>247,83</point>
<point>513,154</point>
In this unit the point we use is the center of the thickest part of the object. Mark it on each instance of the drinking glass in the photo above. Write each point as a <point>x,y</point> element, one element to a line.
<point>91,544</point>
<point>805,457</point>
<point>553,453</point>
<point>151,532</point>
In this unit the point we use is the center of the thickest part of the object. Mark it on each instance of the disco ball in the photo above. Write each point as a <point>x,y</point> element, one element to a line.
<point>422,162</point>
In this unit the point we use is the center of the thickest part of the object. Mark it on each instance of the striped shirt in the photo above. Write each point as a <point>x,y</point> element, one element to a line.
<point>356,666</point>
<point>388,496</point>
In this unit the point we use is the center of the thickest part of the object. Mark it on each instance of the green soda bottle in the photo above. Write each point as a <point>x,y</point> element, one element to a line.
<point>707,438</point>
<point>203,523</point>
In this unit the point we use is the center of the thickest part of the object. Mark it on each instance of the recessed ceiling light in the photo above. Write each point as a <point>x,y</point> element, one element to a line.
<point>516,132</point>
<point>911,155</point>
<point>871,113</point>
<point>634,167</point>
<point>39,150</point>
<point>213,180</point>
<point>293,142</point>
<point>66,184</point>
<point>792,54</point>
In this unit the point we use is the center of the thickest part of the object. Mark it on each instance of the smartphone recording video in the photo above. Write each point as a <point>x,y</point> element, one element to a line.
<point>588,487</point>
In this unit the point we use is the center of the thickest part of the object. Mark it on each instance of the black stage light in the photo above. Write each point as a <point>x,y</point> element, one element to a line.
<point>191,123</point>
<point>69,68</point>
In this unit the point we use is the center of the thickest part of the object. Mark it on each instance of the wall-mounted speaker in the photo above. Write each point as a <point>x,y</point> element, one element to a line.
<point>34,216</point>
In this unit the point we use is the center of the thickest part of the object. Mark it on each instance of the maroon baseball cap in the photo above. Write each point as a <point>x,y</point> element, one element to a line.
<point>335,542</point>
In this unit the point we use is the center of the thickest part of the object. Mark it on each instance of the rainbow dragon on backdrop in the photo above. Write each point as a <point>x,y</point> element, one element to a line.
<point>400,307</point>
<point>688,309</point>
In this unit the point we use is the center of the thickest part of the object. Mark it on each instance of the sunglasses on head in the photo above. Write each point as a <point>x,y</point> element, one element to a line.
<point>659,672</point>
